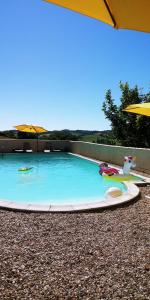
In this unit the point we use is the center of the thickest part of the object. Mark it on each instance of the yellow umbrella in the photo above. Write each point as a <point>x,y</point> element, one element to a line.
<point>125,14</point>
<point>141,109</point>
<point>31,129</point>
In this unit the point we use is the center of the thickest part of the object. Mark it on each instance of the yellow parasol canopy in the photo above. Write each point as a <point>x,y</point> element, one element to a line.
<point>30,128</point>
<point>141,109</point>
<point>125,14</point>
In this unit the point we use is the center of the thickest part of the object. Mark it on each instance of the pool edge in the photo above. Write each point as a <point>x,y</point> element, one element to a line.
<point>131,193</point>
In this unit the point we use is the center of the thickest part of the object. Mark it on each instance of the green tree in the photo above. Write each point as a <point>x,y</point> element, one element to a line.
<point>26,135</point>
<point>107,139</point>
<point>129,129</point>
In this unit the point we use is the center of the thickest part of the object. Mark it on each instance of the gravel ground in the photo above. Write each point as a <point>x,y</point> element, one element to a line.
<point>96,255</point>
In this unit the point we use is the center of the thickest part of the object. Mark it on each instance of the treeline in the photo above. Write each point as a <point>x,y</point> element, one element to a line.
<point>102,137</point>
<point>128,129</point>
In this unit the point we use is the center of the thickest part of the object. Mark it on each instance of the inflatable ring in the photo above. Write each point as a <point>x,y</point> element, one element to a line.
<point>105,170</point>
<point>25,169</point>
<point>120,178</point>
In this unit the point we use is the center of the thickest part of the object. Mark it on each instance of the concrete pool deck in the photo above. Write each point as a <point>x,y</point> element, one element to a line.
<point>108,201</point>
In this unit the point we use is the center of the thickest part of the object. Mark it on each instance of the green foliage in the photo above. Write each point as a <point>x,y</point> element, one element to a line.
<point>128,129</point>
<point>91,138</point>
<point>12,134</point>
<point>107,138</point>
<point>103,137</point>
<point>60,135</point>
<point>26,135</point>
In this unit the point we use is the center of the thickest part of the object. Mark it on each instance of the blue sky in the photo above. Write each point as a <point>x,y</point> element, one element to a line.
<point>56,65</point>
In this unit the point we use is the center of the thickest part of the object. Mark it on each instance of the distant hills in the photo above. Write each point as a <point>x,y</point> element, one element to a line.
<point>93,136</point>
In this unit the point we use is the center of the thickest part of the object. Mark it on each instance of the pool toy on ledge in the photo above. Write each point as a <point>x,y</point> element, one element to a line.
<point>114,175</point>
<point>129,163</point>
<point>121,178</point>
<point>106,170</point>
<point>25,169</point>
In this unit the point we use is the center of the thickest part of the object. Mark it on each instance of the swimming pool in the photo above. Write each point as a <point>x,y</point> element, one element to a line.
<point>55,178</point>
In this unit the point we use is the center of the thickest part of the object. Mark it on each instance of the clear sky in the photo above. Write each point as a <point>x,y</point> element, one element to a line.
<point>56,65</point>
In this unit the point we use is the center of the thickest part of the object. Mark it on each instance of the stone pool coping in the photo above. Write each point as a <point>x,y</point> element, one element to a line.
<point>131,193</point>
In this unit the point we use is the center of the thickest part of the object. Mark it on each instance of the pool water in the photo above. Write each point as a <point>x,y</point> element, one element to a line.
<point>56,178</point>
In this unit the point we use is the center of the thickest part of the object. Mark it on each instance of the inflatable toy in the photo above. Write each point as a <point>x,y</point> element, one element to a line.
<point>25,169</point>
<point>122,177</point>
<point>106,170</point>
<point>114,175</point>
<point>113,192</point>
<point>129,162</point>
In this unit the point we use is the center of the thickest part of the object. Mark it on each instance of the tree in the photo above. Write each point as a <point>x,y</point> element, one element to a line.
<point>107,138</point>
<point>129,129</point>
<point>26,135</point>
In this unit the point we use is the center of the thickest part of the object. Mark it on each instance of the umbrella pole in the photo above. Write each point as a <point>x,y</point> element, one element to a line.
<point>37,142</point>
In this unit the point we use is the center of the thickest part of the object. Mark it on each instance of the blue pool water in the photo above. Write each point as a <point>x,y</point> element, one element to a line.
<point>56,178</point>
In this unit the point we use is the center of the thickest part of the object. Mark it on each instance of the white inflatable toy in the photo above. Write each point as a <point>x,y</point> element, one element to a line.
<point>113,192</point>
<point>129,162</point>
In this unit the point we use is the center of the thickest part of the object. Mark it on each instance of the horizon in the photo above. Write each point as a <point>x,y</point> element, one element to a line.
<point>65,129</point>
<point>56,66</point>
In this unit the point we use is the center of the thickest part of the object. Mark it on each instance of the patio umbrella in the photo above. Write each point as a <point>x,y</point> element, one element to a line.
<point>140,109</point>
<point>31,129</point>
<point>125,14</point>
